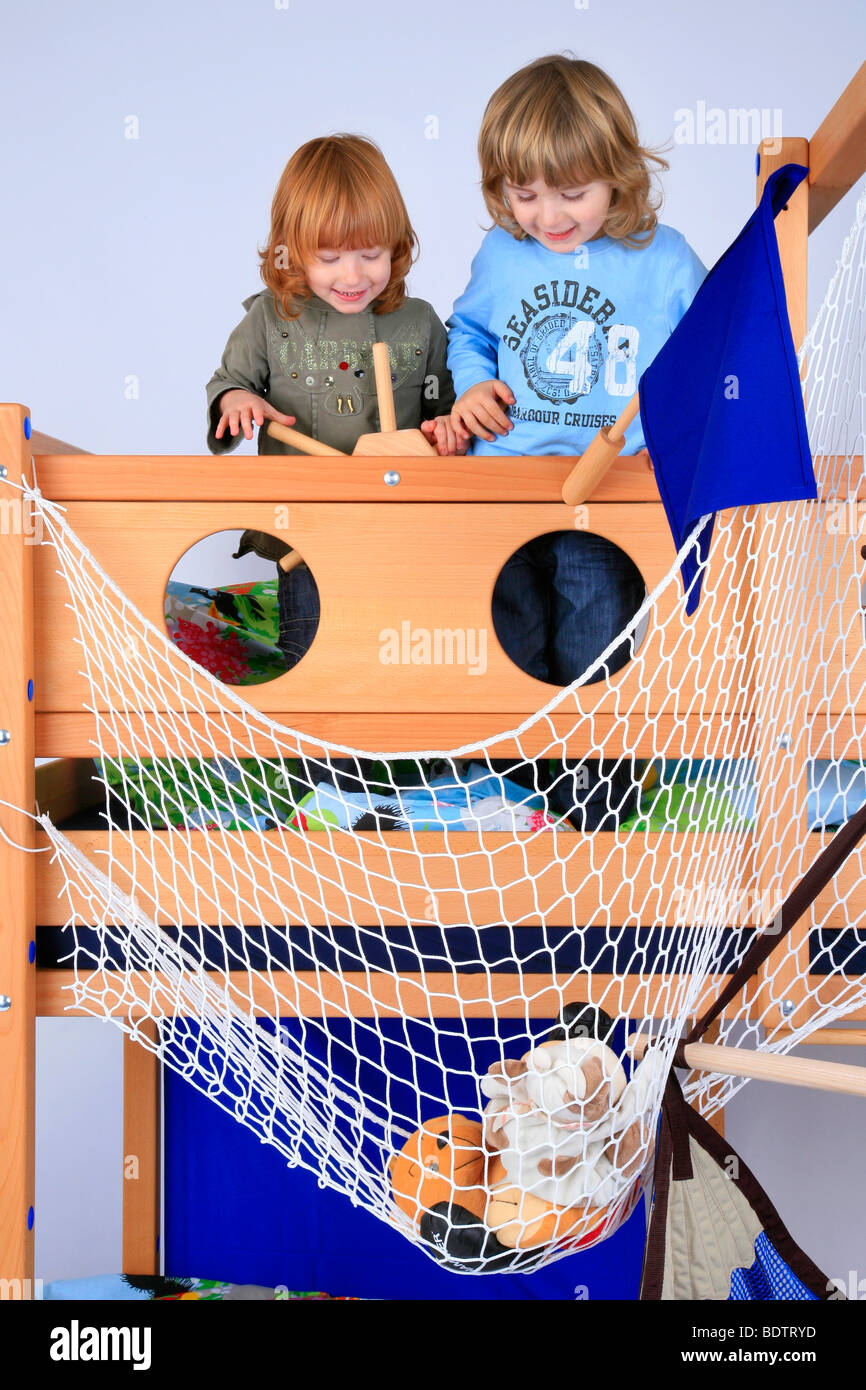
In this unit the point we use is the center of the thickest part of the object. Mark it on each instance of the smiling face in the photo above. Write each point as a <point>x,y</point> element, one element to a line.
<point>349,280</point>
<point>561,219</point>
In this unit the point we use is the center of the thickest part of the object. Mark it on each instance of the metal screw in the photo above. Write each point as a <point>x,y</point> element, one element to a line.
<point>5,737</point>
<point>3,470</point>
<point>5,1003</point>
<point>787,1007</point>
<point>392,478</point>
<point>785,741</point>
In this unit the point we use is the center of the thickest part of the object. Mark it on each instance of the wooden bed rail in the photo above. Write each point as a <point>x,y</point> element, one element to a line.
<point>837,150</point>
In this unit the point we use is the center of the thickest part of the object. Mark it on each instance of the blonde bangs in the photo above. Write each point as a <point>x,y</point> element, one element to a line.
<point>537,144</point>
<point>564,121</point>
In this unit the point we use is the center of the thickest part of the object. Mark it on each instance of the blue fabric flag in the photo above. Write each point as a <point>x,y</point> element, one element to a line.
<point>721,403</point>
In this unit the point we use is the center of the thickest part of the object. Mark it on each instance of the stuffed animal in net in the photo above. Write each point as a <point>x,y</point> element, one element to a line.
<point>561,1133</point>
<point>566,1131</point>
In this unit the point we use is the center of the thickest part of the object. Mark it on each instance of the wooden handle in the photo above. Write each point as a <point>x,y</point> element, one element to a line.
<point>382,371</point>
<point>768,1066</point>
<point>591,467</point>
<point>303,441</point>
<point>618,429</point>
<point>290,561</point>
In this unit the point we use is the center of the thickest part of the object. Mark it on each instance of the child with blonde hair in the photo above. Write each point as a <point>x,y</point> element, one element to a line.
<point>573,292</point>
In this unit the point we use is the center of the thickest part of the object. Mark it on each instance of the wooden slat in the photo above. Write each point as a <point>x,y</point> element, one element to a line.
<point>17,874</point>
<point>74,735</point>
<point>267,478</point>
<point>142,995</point>
<point>141,1154</point>
<point>46,444</point>
<point>307,994</point>
<point>836,1037</point>
<point>834,735</point>
<point>382,880</point>
<point>837,150</point>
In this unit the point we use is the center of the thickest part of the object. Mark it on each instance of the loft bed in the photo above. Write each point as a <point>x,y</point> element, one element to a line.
<point>457,519</point>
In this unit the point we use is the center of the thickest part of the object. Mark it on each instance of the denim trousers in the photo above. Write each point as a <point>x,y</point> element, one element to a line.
<point>298,599</point>
<point>558,602</point>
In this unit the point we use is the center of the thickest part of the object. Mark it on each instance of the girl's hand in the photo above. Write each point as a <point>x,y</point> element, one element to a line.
<point>478,411</point>
<point>443,436</point>
<point>238,410</point>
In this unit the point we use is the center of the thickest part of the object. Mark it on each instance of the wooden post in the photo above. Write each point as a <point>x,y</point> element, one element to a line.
<point>781,745</point>
<point>141,1154</point>
<point>17,869</point>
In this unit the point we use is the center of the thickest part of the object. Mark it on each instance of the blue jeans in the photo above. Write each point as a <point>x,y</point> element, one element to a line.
<point>558,602</point>
<point>560,599</point>
<point>298,599</point>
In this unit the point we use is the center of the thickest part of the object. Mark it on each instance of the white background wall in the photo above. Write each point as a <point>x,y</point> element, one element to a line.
<point>128,259</point>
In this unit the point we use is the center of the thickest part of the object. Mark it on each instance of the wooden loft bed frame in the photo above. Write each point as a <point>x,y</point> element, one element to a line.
<point>341,512</point>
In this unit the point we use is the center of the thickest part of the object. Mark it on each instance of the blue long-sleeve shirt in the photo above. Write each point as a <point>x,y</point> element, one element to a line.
<point>569,332</point>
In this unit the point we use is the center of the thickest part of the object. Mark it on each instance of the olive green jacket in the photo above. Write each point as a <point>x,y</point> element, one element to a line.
<point>319,368</point>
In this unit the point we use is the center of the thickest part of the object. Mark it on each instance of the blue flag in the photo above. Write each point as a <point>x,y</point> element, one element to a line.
<point>721,402</point>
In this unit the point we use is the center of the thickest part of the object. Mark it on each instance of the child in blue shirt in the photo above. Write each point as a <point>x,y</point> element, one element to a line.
<point>574,290</point>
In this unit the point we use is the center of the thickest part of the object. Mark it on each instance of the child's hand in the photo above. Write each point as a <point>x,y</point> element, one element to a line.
<point>478,411</point>
<point>443,436</point>
<point>238,410</point>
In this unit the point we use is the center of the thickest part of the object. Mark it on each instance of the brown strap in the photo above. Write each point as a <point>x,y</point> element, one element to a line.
<point>799,900</point>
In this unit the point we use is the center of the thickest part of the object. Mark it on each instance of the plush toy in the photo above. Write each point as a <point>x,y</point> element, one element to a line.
<point>560,1132</point>
<point>566,1127</point>
<point>439,1179</point>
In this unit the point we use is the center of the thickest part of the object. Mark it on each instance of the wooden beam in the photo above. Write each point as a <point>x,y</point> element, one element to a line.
<point>781,749</point>
<point>141,1154</point>
<point>17,871</point>
<point>285,478</point>
<point>374,994</point>
<point>837,150</point>
<point>837,1037</point>
<point>46,444</point>
<point>72,734</point>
